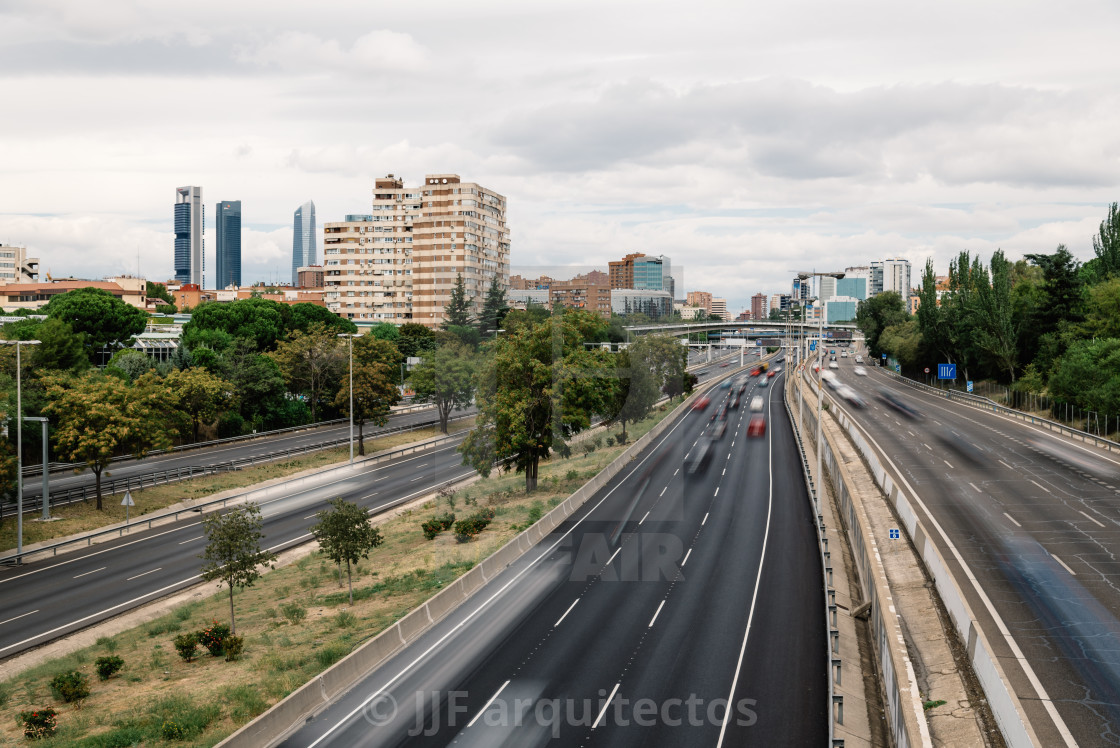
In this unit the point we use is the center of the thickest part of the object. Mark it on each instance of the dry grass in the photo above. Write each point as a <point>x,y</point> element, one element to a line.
<point>213,697</point>
<point>83,516</point>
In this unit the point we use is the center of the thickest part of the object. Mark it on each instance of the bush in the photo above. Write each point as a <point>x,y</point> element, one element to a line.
<point>70,687</point>
<point>436,525</point>
<point>213,636</point>
<point>233,646</point>
<point>345,620</point>
<point>107,666</point>
<point>40,723</point>
<point>535,512</point>
<point>294,612</point>
<point>186,645</point>
<point>465,529</point>
<point>610,441</point>
<point>172,730</point>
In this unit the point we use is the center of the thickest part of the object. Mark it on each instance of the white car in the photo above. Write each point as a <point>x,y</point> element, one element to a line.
<point>833,365</point>
<point>861,372</point>
<point>859,359</point>
<point>757,404</point>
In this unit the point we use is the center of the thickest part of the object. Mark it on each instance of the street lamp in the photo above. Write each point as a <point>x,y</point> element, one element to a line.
<point>820,372</point>
<point>19,445</point>
<point>350,340</point>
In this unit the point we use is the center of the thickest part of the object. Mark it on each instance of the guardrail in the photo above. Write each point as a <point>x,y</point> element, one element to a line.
<point>983,403</point>
<point>174,475</point>
<point>146,522</point>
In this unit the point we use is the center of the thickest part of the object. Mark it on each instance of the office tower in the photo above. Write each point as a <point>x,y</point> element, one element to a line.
<point>303,239</point>
<point>719,309</point>
<point>826,287</point>
<point>896,276</point>
<point>641,272</point>
<point>228,229</point>
<point>800,290</point>
<point>189,227</point>
<point>875,278</point>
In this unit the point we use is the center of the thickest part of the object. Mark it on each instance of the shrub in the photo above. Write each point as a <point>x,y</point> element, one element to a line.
<point>571,475</point>
<point>172,730</point>
<point>40,723</point>
<point>465,529</point>
<point>610,441</point>
<point>294,612</point>
<point>108,642</point>
<point>331,654</point>
<point>162,627</point>
<point>447,518</point>
<point>186,645</point>
<point>587,446</point>
<point>233,646</point>
<point>432,528</point>
<point>212,637</point>
<point>107,666</point>
<point>70,687</point>
<point>345,619</point>
<point>535,512</point>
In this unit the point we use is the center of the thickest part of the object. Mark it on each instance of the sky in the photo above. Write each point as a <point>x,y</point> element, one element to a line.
<point>744,140</point>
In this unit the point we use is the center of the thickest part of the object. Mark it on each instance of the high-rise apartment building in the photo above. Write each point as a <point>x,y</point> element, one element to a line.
<point>16,266</point>
<point>590,291</point>
<point>826,287</point>
<point>875,278</point>
<point>402,263</point>
<point>640,272</point>
<point>190,219</point>
<point>760,306</point>
<point>303,239</point>
<point>719,308</point>
<point>702,299</point>
<point>896,276</point>
<point>801,290</point>
<point>227,225</point>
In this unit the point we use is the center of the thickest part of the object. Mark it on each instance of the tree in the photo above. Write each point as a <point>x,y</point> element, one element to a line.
<point>97,418</point>
<point>878,313</point>
<point>201,396</point>
<point>637,389</point>
<point>217,326</point>
<point>415,340</point>
<point>666,359</point>
<point>375,392</point>
<point>1106,245</point>
<point>1053,326</point>
<point>345,533</point>
<point>457,313</point>
<point>387,331</point>
<point>903,341</point>
<point>233,550</point>
<point>1102,310</point>
<point>158,291</point>
<point>446,378</point>
<point>59,349</point>
<point>540,387</point>
<point>1088,375</point>
<point>311,362</point>
<point>131,363</point>
<point>259,385</point>
<point>494,309</point>
<point>102,319</point>
<point>995,328</point>
<point>371,350</point>
<point>303,316</point>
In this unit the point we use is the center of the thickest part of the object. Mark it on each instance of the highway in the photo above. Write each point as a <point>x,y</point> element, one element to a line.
<point>1035,519</point>
<point>665,597</point>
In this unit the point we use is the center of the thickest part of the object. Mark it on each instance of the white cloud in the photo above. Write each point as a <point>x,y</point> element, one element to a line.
<point>380,51</point>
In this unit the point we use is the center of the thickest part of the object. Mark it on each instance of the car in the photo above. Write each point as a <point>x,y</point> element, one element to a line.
<point>843,354</point>
<point>699,456</point>
<point>736,401</point>
<point>861,372</point>
<point>725,384</point>
<point>702,372</point>
<point>833,365</point>
<point>892,400</point>
<point>771,374</point>
<point>725,364</point>
<point>757,403</point>
<point>719,429</point>
<point>859,359</point>
<point>757,426</point>
<point>742,388</point>
<point>755,371</point>
<point>851,396</point>
<point>701,402</point>
<point>723,413</point>
<point>762,381</point>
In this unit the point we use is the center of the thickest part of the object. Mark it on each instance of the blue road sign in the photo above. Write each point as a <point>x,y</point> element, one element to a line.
<point>946,371</point>
<point>812,345</point>
<point>884,357</point>
<point>898,368</point>
<point>968,385</point>
<point>895,535</point>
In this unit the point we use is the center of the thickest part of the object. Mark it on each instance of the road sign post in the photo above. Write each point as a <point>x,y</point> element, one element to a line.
<point>927,375</point>
<point>968,385</point>
<point>127,503</point>
<point>947,371</point>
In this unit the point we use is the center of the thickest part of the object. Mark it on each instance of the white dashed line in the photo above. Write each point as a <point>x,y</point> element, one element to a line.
<point>663,490</point>
<point>974,486</point>
<point>1005,514</point>
<point>1091,519</point>
<point>153,571</point>
<point>103,568</point>
<point>606,704</point>
<point>18,617</point>
<point>612,556</point>
<point>1063,563</point>
<point>1044,488</point>
<point>1001,462</point>
<point>200,537</point>
<point>927,446</point>
<point>948,463</point>
<point>655,615</point>
<point>566,612</point>
<point>717,492</point>
<point>488,703</point>
<point>686,558</point>
<point>643,519</point>
<point>704,520</point>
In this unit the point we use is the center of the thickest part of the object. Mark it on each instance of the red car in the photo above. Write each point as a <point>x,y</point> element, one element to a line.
<point>755,371</point>
<point>757,426</point>
<point>770,374</point>
<point>701,403</point>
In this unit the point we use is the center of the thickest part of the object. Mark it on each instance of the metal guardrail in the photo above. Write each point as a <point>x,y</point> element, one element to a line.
<point>148,521</point>
<point>983,403</point>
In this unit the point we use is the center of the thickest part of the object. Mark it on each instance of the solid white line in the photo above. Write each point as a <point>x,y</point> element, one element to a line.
<point>686,558</point>
<point>974,486</point>
<point>643,519</point>
<point>948,463</point>
<point>608,703</point>
<point>703,521</point>
<point>1005,514</point>
<point>566,612</point>
<point>1091,519</point>
<point>1044,488</point>
<point>153,571</point>
<point>488,703</point>
<point>1071,571</point>
<point>18,617</point>
<point>617,551</point>
<point>655,615</point>
<point>200,537</point>
<point>103,568</point>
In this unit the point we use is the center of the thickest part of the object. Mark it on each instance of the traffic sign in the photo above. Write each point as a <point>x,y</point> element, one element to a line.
<point>884,357</point>
<point>812,345</point>
<point>898,368</point>
<point>895,534</point>
<point>927,370</point>
<point>968,385</point>
<point>946,371</point>
<point>127,503</point>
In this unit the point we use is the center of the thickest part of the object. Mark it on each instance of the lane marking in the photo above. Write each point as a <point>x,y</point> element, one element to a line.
<point>676,471</point>
<point>1091,519</point>
<point>1001,462</point>
<point>617,551</point>
<point>643,519</point>
<point>310,516</point>
<point>686,558</point>
<point>419,477</point>
<point>724,472</point>
<point>561,618</point>
<point>927,446</point>
<point>1044,488</point>
<point>103,568</point>
<point>663,490</point>
<point>605,705</point>
<point>948,463</point>
<point>1005,514</point>
<point>703,521</point>
<point>146,573</point>
<point>655,615</point>
<point>19,617</point>
<point>487,705</point>
<point>1063,563</point>
<point>717,491</point>
<point>974,486</point>
<point>200,537</point>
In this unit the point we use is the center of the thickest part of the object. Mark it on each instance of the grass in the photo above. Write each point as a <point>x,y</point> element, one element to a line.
<point>82,516</point>
<point>296,621</point>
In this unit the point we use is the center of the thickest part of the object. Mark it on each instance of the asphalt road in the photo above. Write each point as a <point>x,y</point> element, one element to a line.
<point>666,597</point>
<point>43,600</point>
<point>1035,518</point>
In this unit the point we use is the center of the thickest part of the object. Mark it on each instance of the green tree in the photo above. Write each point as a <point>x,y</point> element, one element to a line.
<point>494,309</point>
<point>303,316</point>
<point>102,320</point>
<point>371,350</point>
<point>1088,375</point>
<point>903,342</point>
<point>1102,310</point>
<point>457,313</point>
<point>446,378</point>
<point>995,327</point>
<point>233,550</point>
<point>878,313</point>
<point>1060,310</point>
<point>312,363</point>
<point>97,417</point>
<point>59,349</point>
<point>1106,245</point>
<point>201,396</point>
<point>345,533</point>
<point>259,385</point>
<point>158,291</point>
<point>375,392</point>
<point>131,363</point>
<point>387,331</point>
<point>636,390</point>
<point>217,326</point>
<point>415,340</point>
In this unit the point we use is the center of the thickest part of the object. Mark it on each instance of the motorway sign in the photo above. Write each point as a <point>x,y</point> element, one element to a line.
<point>895,535</point>
<point>968,385</point>
<point>898,368</point>
<point>946,371</point>
<point>812,345</point>
<point>884,357</point>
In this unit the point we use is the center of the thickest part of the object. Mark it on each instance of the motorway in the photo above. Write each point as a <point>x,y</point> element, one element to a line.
<point>1035,520</point>
<point>665,597</point>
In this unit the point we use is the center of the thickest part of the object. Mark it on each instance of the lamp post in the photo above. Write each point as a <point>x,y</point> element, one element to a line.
<point>820,373</point>
<point>350,341</point>
<point>19,446</point>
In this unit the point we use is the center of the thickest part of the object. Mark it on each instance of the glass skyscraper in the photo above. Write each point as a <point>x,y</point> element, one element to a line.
<point>228,229</point>
<point>189,218</point>
<point>303,239</point>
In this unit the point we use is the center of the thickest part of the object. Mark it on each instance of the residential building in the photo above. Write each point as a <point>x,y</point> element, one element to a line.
<point>854,287</point>
<point>875,278</point>
<point>760,306</point>
<point>517,283</point>
<point>16,266</point>
<point>896,276</point>
<point>190,222</point>
<point>227,225</point>
<point>801,290</point>
<point>840,309</point>
<point>521,298</point>
<point>719,309</point>
<point>687,312</point>
<point>640,272</point>
<point>591,291</point>
<point>38,294</point>
<point>781,301</point>
<point>652,303</point>
<point>310,276</point>
<point>702,299</point>
<point>303,239</point>
<point>913,303</point>
<point>826,287</point>
<point>365,278</point>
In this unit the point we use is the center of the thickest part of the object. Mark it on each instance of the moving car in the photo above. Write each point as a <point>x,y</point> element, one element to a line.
<point>719,430</point>
<point>762,381</point>
<point>861,372</point>
<point>757,403</point>
<point>757,426</point>
<point>892,400</point>
<point>771,374</point>
<point>833,365</point>
<point>851,396</point>
<point>701,403</point>
<point>698,457</point>
<point>859,359</point>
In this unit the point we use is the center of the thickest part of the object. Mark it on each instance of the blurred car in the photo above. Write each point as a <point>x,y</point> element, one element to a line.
<point>757,403</point>
<point>725,384</point>
<point>735,402</point>
<point>861,372</point>
<point>755,371</point>
<point>893,401</point>
<point>699,456</point>
<point>859,359</point>
<point>771,374</point>
<point>722,413</point>
<point>725,364</point>
<point>851,396</point>
<point>719,429</point>
<point>757,426</point>
<point>742,388</point>
<point>833,365</point>
<point>702,372</point>
<point>701,403</point>
<point>763,381</point>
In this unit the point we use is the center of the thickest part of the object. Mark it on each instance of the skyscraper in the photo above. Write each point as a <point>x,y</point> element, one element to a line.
<point>228,229</point>
<point>303,239</point>
<point>189,225</point>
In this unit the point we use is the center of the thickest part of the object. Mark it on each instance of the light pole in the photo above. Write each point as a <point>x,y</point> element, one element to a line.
<point>19,446</point>
<point>820,372</point>
<point>350,341</point>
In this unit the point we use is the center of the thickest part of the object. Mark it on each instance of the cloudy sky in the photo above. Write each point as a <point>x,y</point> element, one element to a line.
<point>742,139</point>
